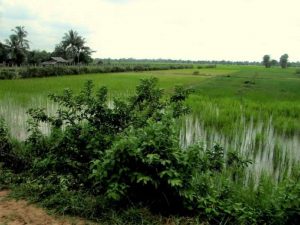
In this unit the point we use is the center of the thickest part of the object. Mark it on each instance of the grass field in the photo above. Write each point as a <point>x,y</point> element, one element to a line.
<point>22,91</point>
<point>223,81</point>
<point>249,108</point>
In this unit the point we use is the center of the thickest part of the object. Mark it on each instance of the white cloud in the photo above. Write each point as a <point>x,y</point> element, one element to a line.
<point>190,29</point>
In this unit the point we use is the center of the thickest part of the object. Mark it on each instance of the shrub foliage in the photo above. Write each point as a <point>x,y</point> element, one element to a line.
<point>99,157</point>
<point>48,71</point>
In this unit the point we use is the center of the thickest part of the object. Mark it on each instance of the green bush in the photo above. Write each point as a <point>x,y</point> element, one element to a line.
<point>10,158</point>
<point>99,158</point>
<point>29,72</point>
<point>8,74</point>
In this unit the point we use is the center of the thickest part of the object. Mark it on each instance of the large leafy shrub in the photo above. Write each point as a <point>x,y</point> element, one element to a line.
<point>101,156</point>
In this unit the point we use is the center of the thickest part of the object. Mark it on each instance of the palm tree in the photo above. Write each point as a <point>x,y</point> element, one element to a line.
<point>15,52</point>
<point>85,54</point>
<point>73,47</point>
<point>73,44</point>
<point>21,34</point>
<point>18,45</point>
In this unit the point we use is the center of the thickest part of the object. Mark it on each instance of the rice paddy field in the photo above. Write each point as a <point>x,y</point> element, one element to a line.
<point>251,109</point>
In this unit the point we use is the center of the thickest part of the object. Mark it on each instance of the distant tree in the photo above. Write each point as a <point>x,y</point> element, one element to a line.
<point>99,62</point>
<point>16,54</point>
<point>72,43</point>
<point>60,51</point>
<point>274,62</point>
<point>4,51</point>
<point>18,45</point>
<point>21,34</point>
<point>266,61</point>
<point>85,55</point>
<point>36,56</point>
<point>73,47</point>
<point>284,61</point>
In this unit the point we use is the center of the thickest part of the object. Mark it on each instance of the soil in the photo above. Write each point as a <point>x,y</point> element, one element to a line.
<point>20,212</point>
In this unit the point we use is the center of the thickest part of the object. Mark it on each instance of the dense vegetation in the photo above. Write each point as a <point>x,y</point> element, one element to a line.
<point>15,51</point>
<point>100,159</point>
<point>28,72</point>
<point>174,61</point>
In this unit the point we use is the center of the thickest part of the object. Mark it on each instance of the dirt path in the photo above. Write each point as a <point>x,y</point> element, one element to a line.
<point>14,212</point>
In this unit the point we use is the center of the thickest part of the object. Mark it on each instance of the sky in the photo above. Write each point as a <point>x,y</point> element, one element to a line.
<point>239,30</point>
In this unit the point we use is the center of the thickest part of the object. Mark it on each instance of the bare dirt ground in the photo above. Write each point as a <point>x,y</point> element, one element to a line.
<point>14,212</point>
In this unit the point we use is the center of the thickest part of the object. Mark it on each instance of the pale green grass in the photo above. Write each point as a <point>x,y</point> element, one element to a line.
<point>22,91</point>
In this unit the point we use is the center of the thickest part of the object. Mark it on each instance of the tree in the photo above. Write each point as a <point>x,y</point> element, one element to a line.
<point>73,47</point>
<point>85,55</point>
<point>274,62</point>
<point>18,45</point>
<point>284,61</point>
<point>72,43</point>
<point>4,51</point>
<point>21,35</point>
<point>16,54</point>
<point>266,61</point>
<point>60,51</point>
<point>36,56</point>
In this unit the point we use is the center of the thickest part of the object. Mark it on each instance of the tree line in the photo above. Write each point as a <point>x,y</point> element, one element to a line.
<point>178,61</point>
<point>283,61</point>
<point>16,49</point>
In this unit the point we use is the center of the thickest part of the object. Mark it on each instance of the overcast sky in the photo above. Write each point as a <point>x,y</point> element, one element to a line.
<point>176,29</point>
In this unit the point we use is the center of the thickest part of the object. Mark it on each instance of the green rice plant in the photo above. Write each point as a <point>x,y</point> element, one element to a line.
<point>98,159</point>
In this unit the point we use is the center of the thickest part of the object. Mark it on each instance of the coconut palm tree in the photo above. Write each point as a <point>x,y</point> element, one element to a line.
<point>16,54</point>
<point>73,44</point>
<point>18,45</point>
<point>21,34</point>
<point>73,47</point>
<point>85,54</point>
